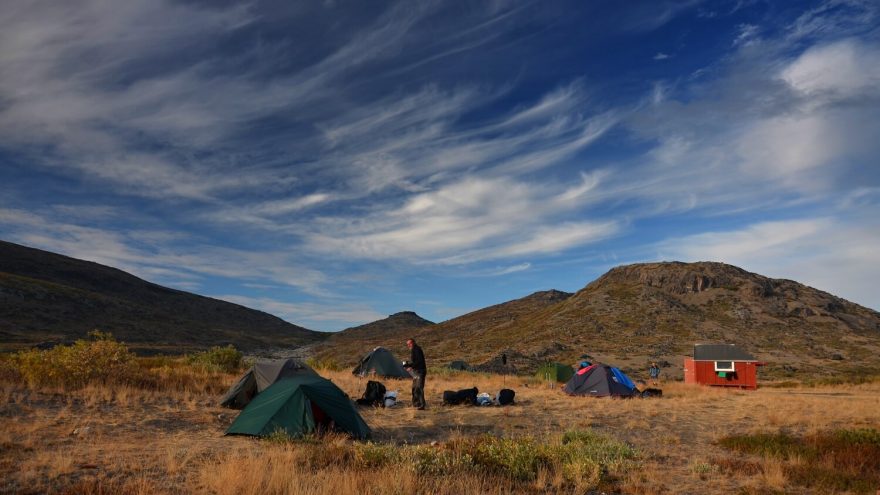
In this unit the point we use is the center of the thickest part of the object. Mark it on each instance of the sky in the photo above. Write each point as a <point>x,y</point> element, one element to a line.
<point>336,162</point>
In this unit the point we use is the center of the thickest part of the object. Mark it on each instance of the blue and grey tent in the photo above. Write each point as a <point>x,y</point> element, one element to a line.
<point>600,380</point>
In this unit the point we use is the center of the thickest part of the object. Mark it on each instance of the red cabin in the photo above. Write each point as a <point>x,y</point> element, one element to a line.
<point>722,365</point>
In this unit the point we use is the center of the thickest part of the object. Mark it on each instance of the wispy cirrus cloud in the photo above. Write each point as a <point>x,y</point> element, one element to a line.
<point>778,124</point>
<point>472,219</point>
<point>335,314</point>
<point>165,256</point>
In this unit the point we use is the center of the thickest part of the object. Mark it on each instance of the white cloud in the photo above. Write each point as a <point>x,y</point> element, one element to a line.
<point>777,122</point>
<point>331,315</point>
<point>661,56</point>
<point>468,220</point>
<point>169,255</point>
<point>844,68</point>
<point>747,34</point>
<point>785,147</point>
<point>498,272</point>
<point>834,18</point>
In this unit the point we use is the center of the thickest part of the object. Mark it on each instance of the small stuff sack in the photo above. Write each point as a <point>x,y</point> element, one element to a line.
<point>391,398</point>
<point>505,397</point>
<point>484,399</point>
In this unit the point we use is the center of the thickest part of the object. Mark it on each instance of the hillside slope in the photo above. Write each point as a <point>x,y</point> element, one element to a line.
<point>447,340</point>
<point>49,297</point>
<point>657,311</point>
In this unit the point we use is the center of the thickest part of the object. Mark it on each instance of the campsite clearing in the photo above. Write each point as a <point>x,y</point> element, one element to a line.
<point>103,439</point>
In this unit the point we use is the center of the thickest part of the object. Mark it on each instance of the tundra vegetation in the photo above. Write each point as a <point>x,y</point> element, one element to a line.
<point>93,418</point>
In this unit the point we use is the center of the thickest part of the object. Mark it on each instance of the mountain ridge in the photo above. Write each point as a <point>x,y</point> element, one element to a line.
<point>645,312</point>
<point>47,296</point>
<point>629,316</point>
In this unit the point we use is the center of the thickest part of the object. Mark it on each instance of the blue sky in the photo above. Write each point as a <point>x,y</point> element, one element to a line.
<point>335,162</point>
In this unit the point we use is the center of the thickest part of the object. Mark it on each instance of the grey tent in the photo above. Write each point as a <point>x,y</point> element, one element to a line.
<point>259,377</point>
<point>380,362</point>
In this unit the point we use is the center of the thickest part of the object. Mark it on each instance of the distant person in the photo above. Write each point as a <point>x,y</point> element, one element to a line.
<point>416,366</point>
<point>654,371</point>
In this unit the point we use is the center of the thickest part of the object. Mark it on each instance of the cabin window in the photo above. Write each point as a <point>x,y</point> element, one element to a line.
<point>724,366</point>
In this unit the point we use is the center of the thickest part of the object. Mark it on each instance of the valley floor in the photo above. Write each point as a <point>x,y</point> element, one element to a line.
<point>113,440</point>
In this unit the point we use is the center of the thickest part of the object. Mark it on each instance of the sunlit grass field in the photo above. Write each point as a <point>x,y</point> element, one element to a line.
<point>156,428</point>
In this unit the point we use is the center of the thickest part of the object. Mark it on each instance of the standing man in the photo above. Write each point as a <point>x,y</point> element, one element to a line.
<point>654,371</point>
<point>417,367</point>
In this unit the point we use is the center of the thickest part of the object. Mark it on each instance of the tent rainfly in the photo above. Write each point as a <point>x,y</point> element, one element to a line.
<point>259,377</point>
<point>600,380</point>
<point>297,406</point>
<point>382,363</point>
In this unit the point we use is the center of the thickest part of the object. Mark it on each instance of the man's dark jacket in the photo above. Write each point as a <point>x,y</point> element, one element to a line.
<point>417,359</point>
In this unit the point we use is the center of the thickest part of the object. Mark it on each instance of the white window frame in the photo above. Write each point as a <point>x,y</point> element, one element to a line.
<point>731,368</point>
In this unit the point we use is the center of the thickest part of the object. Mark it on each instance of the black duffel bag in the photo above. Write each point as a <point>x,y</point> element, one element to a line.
<point>466,396</point>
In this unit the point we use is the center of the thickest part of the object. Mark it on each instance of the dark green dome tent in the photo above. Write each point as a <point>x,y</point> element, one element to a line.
<point>259,377</point>
<point>297,406</point>
<point>557,372</point>
<point>382,363</point>
<point>459,365</point>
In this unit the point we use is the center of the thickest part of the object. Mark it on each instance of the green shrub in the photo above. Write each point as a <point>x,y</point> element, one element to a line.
<point>376,455</point>
<point>99,360</point>
<point>519,459</point>
<point>225,359</point>
<point>440,462</point>
<point>326,363</point>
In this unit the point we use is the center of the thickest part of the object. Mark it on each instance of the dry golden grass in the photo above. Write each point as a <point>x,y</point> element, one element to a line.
<point>169,438</point>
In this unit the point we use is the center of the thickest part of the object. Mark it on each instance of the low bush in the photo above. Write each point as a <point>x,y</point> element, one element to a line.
<point>223,359</point>
<point>841,460</point>
<point>99,360</point>
<point>328,364</point>
<point>583,460</point>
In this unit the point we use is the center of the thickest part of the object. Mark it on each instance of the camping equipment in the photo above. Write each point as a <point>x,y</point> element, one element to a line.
<point>297,406</point>
<point>466,396</point>
<point>505,396</point>
<point>484,399</point>
<point>652,392</point>
<point>374,395</point>
<point>381,362</point>
<point>459,365</point>
<point>259,377</point>
<point>391,398</point>
<point>600,380</point>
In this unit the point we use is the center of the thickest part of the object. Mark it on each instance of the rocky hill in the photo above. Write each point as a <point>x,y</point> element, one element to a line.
<point>447,339</point>
<point>398,323</point>
<point>657,311</point>
<point>49,297</point>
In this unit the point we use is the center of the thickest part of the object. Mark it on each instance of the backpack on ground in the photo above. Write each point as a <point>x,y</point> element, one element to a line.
<point>652,392</point>
<point>374,395</point>
<point>505,397</point>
